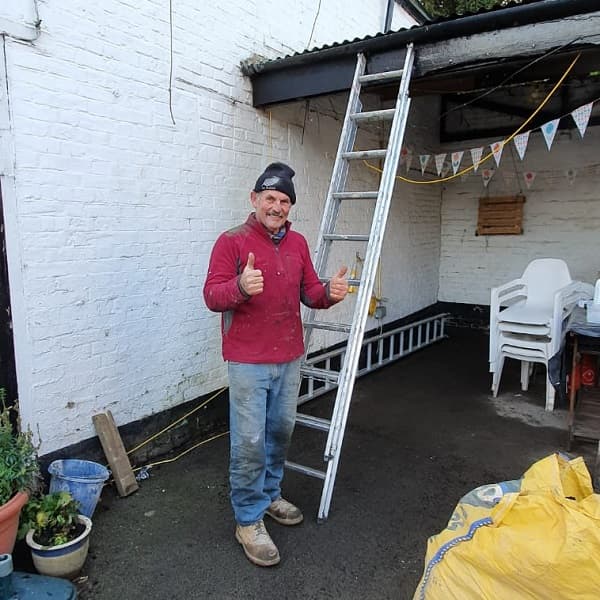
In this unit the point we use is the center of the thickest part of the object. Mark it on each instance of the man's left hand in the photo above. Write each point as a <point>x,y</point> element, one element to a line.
<point>338,285</point>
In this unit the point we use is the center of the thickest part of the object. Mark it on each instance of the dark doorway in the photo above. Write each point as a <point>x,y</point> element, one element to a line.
<point>8,376</point>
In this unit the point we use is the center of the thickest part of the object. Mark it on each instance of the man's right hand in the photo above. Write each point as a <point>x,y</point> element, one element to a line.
<point>251,279</point>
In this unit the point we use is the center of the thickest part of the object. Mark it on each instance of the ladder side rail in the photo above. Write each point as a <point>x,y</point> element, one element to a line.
<point>338,180</point>
<point>346,384</point>
<point>315,393</point>
<point>336,433</point>
<point>340,165</point>
<point>436,319</point>
<point>312,392</point>
<point>328,484</point>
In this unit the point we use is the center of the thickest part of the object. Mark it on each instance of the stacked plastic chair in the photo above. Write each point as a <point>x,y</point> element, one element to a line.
<point>527,317</point>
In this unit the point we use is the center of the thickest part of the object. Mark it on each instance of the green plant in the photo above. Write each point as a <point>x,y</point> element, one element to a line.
<point>19,468</point>
<point>444,8</point>
<point>53,517</point>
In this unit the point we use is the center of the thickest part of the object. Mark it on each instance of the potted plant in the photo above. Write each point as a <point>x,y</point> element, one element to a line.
<point>19,473</point>
<point>57,535</point>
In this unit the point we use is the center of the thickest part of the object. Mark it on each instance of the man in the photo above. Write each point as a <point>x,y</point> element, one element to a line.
<point>258,274</point>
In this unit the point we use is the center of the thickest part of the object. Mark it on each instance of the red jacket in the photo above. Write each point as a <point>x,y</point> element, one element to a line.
<point>265,328</point>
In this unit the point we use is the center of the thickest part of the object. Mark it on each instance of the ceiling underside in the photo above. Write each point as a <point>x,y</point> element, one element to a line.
<point>501,93</point>
<point>477,70</point>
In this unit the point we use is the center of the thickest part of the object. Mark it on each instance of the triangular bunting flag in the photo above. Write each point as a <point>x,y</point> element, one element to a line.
<point>456,159</point>
<point>549,130</point>
<point>497,151</point>
<point>439,162</point>
<point>529,177</point>
<point>423,160</point>
<point>581,116</point>
<point>520,142</point>
<point>445,168</point>
<point>486,175</point>
<point>476,157</point>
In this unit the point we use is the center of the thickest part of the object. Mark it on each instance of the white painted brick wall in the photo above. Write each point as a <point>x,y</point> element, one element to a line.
<point>561,219</point>
<point>113,209</point>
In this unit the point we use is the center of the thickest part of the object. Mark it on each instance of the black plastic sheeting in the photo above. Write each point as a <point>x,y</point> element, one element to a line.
<point>559,366</point>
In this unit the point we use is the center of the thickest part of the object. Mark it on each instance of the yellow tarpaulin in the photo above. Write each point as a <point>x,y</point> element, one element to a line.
<point>535,538</point>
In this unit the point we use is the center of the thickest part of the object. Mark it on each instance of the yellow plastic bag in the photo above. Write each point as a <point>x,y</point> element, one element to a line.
<point>535,538</point>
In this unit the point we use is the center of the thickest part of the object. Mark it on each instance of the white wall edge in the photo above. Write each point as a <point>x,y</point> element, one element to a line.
<point>20,31</point>
<point>17,300</point>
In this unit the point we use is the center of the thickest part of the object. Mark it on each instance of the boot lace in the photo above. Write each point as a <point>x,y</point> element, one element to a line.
<point>260,531</point>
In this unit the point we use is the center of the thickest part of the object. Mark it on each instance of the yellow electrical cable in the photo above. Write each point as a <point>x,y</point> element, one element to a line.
<point>169,460</point>
<point>142,444</point>
<point>214,437</point>
<point>503,143</point>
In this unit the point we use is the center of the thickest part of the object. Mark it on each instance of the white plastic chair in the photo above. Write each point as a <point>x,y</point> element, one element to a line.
<point>528,349</point>
<point>529,329</point>
<point>526,356</point>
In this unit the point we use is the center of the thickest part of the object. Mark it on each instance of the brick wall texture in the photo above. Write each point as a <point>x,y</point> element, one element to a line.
<point>111,208</point>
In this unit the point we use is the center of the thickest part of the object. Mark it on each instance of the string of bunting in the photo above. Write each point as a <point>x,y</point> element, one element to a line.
<point>519,137</point>
<point>446,161</point>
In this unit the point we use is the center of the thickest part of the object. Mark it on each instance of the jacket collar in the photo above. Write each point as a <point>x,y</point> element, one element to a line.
<point>260,228</point>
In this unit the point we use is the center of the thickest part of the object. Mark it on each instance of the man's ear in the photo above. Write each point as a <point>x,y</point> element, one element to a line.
<point>253,198</point>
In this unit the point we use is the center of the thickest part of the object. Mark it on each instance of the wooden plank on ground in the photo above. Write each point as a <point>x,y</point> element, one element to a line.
<point>115,453</point>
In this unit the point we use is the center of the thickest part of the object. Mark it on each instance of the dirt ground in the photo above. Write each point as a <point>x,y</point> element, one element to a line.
<point>422,432</point>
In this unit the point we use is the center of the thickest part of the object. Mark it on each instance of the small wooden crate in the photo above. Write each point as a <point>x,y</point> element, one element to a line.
<point>500,215</point>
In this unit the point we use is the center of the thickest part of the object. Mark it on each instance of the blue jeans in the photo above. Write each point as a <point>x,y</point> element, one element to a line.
<point>262,413</point>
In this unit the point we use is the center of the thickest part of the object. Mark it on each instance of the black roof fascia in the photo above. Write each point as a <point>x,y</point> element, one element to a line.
<point>330,69</point>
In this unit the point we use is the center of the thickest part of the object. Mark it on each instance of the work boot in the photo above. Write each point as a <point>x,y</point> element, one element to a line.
<point>257,544</point>
<point>285,512</point>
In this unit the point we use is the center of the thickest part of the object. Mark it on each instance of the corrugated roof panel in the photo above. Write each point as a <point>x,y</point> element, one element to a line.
<point>254,66</point>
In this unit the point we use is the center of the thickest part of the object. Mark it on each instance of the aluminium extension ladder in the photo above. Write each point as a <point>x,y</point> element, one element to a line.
<point>344,378</point>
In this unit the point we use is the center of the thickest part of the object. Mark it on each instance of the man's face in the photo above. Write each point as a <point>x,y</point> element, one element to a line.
<point>272,208</point>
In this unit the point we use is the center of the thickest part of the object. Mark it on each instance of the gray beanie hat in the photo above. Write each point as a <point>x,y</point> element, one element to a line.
<point>277,176</point>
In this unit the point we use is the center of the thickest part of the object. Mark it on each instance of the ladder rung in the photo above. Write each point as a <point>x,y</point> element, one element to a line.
<point>354,282</point>
<point>374,115</point>
<point>383,76</point>
<point>341,327</point>
<point>364,154</point>
<point>313,422</point>
<point>306,470</point>
<point>346,237</point>
<point>320,374</point>
<point>355,195</point>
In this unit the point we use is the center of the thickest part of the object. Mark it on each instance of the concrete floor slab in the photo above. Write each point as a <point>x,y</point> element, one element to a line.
<point>422,432</point>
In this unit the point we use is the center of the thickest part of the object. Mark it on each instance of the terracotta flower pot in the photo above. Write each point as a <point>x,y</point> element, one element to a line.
<point>9,521</point>
<point>64,560</point>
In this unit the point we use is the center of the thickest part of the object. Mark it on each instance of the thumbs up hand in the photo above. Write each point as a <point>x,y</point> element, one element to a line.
<point>251,280</point>
<point>338,285</point>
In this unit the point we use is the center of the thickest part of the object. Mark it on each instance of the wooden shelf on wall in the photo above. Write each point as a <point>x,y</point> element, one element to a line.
<point>500,215</point>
